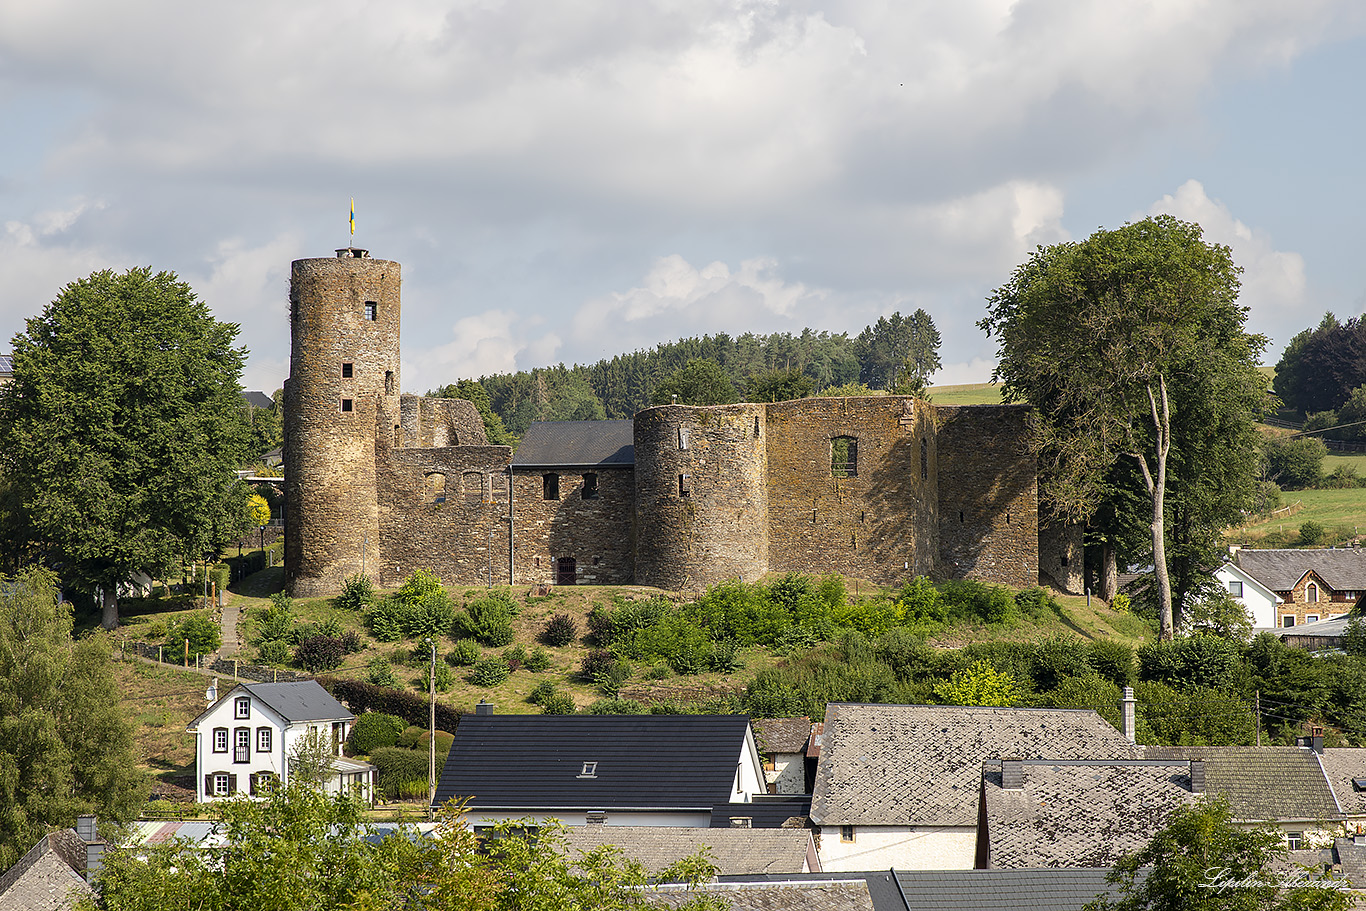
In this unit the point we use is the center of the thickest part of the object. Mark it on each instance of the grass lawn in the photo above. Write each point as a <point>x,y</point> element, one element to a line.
<point>966,394</point>
<point>1342,513</point>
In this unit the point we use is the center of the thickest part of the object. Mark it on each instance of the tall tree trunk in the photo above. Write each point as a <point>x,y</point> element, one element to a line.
<point>1157,488</point>
<point>110,596</point>
<point>1109,571</point>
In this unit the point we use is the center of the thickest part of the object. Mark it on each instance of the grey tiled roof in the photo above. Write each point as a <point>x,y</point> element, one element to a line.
<point>6,364</point>
<point>45,877</point>
<point>765,811</point>
<point>1003,890</point>
<point>782,735</point>
<point>922,764</point>
<point>733,851</point>
<point>576,444</point>
<point>1341,765</point>
<point>1079,813</point>
<point>257,399</point>
<point>302,700</point>
<point>806,895</point>
<point>1279,570</point>
<point>1263,782</point>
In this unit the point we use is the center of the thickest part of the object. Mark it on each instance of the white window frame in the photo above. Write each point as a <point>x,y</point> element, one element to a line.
<point>220,784</point>
<point>241,707</point>
<point>220,740</point>
<point>1235,588</point>
<point>264,738</point>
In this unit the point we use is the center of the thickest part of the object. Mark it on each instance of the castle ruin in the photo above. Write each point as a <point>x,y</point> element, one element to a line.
<point>879,488</point>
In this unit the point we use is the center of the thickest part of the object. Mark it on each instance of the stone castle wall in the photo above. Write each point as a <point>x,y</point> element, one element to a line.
<point>988,494</point>
<point>701,495</point>
<point>597,532</point>
<point>875,518</point>
<point>335,419</point>
<point>432,423</point>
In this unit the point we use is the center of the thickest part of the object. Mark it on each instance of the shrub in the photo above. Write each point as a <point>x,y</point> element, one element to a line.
<point>515,653</point>
<point>1311,532</point>
<point>1036,603</point>
<point>1295,463</point>
<point>537,660</point>
<point>1058,658</point>
<point>320,653</point>
<point>901,650</point>
<point>489,671</point>
<point>560,630</point>
<point>609,681</point>
<point>399,767</point>
<point>488,619</point>
<point>989,603</point>
<point>444,677</point>
<point>498,636</point>
<point>596,662</point>
<point>357,593</point>
<point>408,739</point>
<point>920,602</point>
<point>1121,602</point>
<point>381,672</point>
<point>1113,661</point>
<point>443,745</point>
<point>660,671</point>
<point>617,707</point>
<point>541,692</point>
<point>725,657</point>
<point>558,704</point>
<point>465,653</point>
<point>373,730</point>
<point>1201,660</point>
<point>979,684</point>
<point>199,631</point>
<point>273,651</point>
<point>385,620</point>
<point>278,619</point>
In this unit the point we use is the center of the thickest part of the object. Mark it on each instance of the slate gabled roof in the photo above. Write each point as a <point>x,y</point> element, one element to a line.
<point>731,850</point>
<point>1263,783</point>
<point>1344,569</point>
<point>847,894</point>
<point>45,877</point>
<point>765,811</point>
<point>257,399</point>
<point>294,701</point>
<point>1079,813</point>
<point>577,444</point>
<point>782,735</point>
<point>6,365</point>
<point>1343,765</point>
<point>922,764</point>
<point>1003,890</point>
<point>643,761</point>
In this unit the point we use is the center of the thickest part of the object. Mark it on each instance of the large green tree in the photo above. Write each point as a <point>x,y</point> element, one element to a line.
<point>897,350</point>
<point>123,426</point>
<point>701,382</point>
<point>1131,344</point>
<point>1202,860</point>
<point>65,747</point>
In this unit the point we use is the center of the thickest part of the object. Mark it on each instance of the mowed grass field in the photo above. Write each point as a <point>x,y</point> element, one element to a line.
<point>967,394</point>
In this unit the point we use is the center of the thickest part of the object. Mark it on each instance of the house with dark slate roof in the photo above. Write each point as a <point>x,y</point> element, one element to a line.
<point>898,786</point>
<point>613,770</point>
<point>246,737</point>
<point>733,851</point>
<point>54,873</point>
<point>1313,585</point>
<point>1080,812</point>
<point>1290,787</point>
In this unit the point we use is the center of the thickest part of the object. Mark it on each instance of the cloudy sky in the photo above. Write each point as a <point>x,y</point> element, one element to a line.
<point>569,180</point>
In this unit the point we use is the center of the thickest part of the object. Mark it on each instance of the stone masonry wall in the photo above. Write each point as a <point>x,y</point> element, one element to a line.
<point>988,495</point>
<point>457,531</point>
<point>340,359</point>
<point>431,423</point>
<point>701,495</point>
<point>1061,558</point>
<point>878,521</point>
<point>596,532</point>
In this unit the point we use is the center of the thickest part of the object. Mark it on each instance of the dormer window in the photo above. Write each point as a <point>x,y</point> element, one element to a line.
<point>242,707</point>
<point>590,770</point>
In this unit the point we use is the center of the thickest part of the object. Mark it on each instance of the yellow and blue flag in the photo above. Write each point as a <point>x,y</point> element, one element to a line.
<point>353,216</point>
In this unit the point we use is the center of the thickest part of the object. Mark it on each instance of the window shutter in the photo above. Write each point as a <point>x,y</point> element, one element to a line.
<point>251,784</point>
<point>232,784</point>
<point>208,785</point>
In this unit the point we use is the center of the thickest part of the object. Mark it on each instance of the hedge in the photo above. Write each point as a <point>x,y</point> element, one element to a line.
<point>359,696</point>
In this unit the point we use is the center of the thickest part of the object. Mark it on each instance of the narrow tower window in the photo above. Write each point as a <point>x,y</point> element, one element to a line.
<point>924,460</point>
<point>347,370</point>
<point>682,437</point>
<point>346,406</point>
<point>550,486</point>
<point>388,382</point>
<point>371,310</point>
<point>590,486</point>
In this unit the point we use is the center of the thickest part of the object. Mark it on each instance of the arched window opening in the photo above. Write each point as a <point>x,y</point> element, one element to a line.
<point>436,487</point>
<point>844,457</point>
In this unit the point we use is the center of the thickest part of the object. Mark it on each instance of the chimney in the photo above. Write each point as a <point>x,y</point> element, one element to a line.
<point>1316,739</point>
<point>1197,776</point>
<point>1126,714</point>
<point>94,859</point>
<point>1012,774</point>
<point>85,828</point>
<point>483,708</point>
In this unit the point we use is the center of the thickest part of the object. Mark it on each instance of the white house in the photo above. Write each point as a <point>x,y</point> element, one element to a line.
<point>247,736</point>
<point>1259,601</point>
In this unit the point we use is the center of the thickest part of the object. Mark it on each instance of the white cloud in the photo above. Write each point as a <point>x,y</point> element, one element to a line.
<point>494,341</point>
<point>1274,284</point>
<point>977,370</point>
<point>38,258</point>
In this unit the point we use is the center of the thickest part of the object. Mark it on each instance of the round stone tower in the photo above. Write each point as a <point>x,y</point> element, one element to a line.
<point>701,495</point>
<point>341,402</point>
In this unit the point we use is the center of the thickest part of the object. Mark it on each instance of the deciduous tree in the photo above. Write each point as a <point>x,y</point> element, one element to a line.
<point>1128,344</point>
<point>123,426</point>
<point>702,382</point>
<point>65,746</point>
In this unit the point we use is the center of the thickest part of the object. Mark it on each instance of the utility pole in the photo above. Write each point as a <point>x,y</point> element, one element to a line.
<point>1257,712</point>
<point>431,746</point>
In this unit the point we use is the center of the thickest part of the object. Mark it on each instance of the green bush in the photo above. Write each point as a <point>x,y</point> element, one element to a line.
<point>1311,532</point>
<point>357,593</point>
<point>465,653</point>
<point>920,602</point>
<point>273,651</point>
<point>399,767</point>
<point>489,671</point>
<point>385,619</point>
<point>498,636</point>
<point>560,630</point>
<point>408,739</point>
<point>1057,659</point>
<point>1037,604</point>
<point>1201,660</point>
<point>220,574</point>
<point>617,707</point>
<point>725,657</point>
<point>381,672</point>
<point>278,620</point>
<point>445,677</point>
<point>515,653</point>
<point>558,704</point>
<point>542,691</point>
<point>1113,660</point>
<point>320,653</point>
<point>420,608</point>
<point>488,619</point>
<point>969,598</point>
<point>200,631</point>
<point>537,660</point>
<point>372,731</point>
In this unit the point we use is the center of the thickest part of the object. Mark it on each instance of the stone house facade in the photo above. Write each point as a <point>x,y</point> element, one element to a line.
<point>880,488</point>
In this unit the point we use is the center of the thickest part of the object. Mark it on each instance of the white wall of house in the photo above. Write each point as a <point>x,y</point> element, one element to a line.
<point>1259,601</point>
<point>788,775</point>
<point>902,847</point>
<point>749,772</point>
<point>579,817</point>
